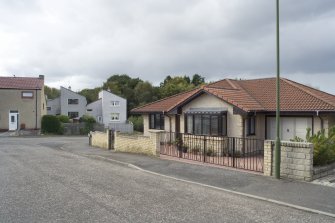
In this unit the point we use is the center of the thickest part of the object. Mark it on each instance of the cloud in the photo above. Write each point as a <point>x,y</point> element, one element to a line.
<point>82,43</point>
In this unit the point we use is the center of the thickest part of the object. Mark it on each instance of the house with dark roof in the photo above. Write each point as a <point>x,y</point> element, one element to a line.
<point>242,108</point>
<point>22,102</point>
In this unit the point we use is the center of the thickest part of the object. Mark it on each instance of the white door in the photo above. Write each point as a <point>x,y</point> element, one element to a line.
<point>13,121</point>
<point>290,127</point>
<point>301,125</point>
<point>287,128</point>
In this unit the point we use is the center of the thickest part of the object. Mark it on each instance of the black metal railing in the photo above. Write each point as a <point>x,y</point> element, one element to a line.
<point>241,153</point>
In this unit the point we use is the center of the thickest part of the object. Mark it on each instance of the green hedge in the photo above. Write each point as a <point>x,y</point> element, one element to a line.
<point>51,124</point>
<point>63,118</point>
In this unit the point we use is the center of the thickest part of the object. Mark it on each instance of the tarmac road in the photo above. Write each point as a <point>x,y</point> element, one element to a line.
<point>40,183</point>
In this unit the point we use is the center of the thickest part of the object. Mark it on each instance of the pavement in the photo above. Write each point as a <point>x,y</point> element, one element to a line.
<point>303,194</point>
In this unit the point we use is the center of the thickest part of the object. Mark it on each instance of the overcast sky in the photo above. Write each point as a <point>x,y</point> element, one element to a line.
<point>80,43</point>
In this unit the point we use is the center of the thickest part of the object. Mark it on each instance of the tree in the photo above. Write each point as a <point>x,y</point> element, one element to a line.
<point>197,80</point>
<point>90,94</point>
<point>145,93</point>
<point>124,86</point>
<point>174,85</point>
<point>51,93</point>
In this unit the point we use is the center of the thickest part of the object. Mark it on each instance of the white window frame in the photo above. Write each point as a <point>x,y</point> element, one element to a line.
<point>115,103</point>
<point>115,117</point>
<point>27,94</point>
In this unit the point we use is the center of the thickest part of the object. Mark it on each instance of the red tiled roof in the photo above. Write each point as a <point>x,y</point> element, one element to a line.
<point>255,95</point>
<point>21,83</point>
<point>166,104</point>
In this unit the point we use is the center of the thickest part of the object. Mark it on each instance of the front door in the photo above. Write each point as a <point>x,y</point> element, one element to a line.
<point>13,121</point>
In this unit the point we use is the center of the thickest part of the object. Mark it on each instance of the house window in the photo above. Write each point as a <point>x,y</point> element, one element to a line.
<point>48,108</point>
<point>251,125</point>
<point>189,124</point>
<point>206,124</point>
<point>27,94</point>
<point>115,103</point>
<point>156,121</point>
<point>73,114</point>
<point>115,116</point>
<point>73,101</point>
<point>89,109</point>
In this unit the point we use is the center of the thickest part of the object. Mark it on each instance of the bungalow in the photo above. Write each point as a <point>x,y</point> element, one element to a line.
<point>242,108</point>
<point>22,102</point>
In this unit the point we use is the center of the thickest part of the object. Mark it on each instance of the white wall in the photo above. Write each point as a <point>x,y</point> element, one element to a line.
<point>66,94</point>
<point>108,109</point>
<point>54,106</point>
<point>96,108</point>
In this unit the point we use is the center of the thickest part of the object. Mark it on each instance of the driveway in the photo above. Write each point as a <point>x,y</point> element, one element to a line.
<point>39,183</point>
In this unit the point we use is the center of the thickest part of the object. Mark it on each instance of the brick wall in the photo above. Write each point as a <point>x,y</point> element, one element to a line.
<point>296,160</point>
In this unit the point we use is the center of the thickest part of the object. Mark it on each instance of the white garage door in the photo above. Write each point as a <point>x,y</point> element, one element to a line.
<point>290,127</point>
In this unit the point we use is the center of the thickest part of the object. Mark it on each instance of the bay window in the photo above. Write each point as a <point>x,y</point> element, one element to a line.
<point>206,124</point>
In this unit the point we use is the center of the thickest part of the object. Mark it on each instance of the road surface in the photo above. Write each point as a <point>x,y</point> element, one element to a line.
<point>41,183</point>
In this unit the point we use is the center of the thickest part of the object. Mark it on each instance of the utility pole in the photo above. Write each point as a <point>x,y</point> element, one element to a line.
<point>277,149</point>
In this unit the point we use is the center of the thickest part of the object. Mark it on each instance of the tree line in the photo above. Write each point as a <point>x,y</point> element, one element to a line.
<point>137,92</point>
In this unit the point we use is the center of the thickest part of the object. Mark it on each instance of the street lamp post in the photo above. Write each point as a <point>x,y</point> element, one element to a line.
<point>277,149</point>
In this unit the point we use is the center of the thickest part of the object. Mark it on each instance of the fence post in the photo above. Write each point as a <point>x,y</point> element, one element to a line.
<point>233,151</point>
<point>179,144</point>
<point>205,145</point>
<point>90,139</point>
<point>110,139</point>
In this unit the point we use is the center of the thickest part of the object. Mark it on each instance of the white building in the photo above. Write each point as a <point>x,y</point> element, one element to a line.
<point>110,110</point>
<point>69,103</point>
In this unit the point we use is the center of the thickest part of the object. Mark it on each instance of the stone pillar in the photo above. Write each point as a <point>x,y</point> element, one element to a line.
<point>268,144</point>
<point>296,160</point>
<point>155,137</point>
<point>116,143</point>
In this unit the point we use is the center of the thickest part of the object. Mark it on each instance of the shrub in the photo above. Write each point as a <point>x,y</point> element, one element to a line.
<point>63,118</point>
<point>195,150</point>
<point>87,119</point>
<point>89,124</point>
<point>137,122</point>
<point>51,124</point>
<point>210,152</point>
<point>324,146</point>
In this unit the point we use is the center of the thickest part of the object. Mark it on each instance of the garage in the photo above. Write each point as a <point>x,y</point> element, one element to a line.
<point>289,127</point>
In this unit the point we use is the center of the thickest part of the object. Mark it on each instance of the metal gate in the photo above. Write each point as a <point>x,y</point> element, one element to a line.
<point>241,153</point>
